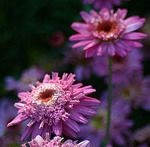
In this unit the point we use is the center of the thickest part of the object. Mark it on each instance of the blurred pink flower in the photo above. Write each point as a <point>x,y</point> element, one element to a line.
<point>120,124</point>
<point>38,141</point>
<point>55,106</point>
<point>57,39</point>
<point>107,33</point>
<point>98,4</point>
<point>29,76</point>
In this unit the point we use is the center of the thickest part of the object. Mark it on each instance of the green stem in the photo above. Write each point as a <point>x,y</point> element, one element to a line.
<point>109,102</point>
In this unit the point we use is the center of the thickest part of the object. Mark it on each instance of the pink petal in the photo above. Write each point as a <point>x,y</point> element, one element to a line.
<point>58,129</point>
<point>85,110</point>
<point>136,24</point>
<point>89,101</point>
<point>81,43</point>
<point>121,13</point>
<point>80,27</point>
<point>72,124</point>
<point>134,36</point>
<point>78,117</point>
<point>90,45</point>
<point>86,17</point>
<point>80,37</point>
<point>85,143</point>
<point>26,133</point>
<point>19,118</point>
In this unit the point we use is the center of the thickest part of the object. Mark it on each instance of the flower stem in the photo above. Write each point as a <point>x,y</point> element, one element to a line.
<point>109,102</point>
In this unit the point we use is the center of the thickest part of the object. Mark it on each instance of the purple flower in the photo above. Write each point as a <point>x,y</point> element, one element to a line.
<point>56,105</point>
<point>122,68</point>
<point>135,91</point>
<point>8,136</point>
<point>98,4</point>
<point>107,33</point>
<point>57,141</point>
<point>120,124</point>
<point>142,136</point>
<point>29,76</point>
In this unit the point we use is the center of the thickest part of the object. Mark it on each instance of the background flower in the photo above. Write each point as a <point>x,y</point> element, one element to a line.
<point>122,68</point>
<point>98,4</point>
<point>8,136</point>
<point>120,124</point>
<point>107,33</point>
<point>29,76</point>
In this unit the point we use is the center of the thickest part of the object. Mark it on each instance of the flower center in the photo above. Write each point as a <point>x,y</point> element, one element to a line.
<point>47,94</point>
<point>106,26</point>
<point>108,30</point>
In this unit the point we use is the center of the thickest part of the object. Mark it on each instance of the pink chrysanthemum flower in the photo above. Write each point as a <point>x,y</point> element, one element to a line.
<point>57,141</point>
<point>55,106</point>
<point>99,4</point>
<point>107,32</point>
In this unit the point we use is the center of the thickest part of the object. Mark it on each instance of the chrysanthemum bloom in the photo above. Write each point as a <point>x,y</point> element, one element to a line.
<point>57,141</point>
<point>29,76</point>
<point>107,33</point>
<point>98,4</point>
<point>55,106</point>
<point>120,124</point>
<point>122,68</point>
